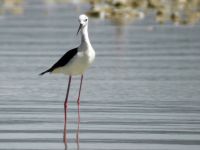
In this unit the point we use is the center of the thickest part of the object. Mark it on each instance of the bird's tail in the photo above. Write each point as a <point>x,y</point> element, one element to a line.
<point>44,72</point>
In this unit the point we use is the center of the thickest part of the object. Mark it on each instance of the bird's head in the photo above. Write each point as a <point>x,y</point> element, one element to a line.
<point>83,20</point>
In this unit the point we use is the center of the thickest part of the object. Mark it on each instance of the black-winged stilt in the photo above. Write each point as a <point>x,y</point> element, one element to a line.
<point>75,62</point>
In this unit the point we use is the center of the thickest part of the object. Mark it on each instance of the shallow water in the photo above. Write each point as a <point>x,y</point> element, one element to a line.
<point>141,93</point>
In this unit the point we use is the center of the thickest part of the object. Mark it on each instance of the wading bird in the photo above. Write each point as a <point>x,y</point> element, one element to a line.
<point>75,62</point>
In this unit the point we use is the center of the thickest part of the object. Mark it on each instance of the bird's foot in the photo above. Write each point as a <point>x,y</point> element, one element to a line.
<point>77,138</point>
<point>64,138</point>
<point>78,101</point>
<point>66,104</point>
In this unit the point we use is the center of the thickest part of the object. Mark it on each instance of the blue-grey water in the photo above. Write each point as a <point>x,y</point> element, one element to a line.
<point>142,92</point>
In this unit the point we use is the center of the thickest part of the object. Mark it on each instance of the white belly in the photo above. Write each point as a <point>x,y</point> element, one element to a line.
<point>78,64</point>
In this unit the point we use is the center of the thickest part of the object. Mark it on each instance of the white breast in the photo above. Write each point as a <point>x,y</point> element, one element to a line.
<point>79,63</point>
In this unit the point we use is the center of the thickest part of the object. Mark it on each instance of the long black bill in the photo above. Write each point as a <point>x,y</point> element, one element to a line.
<point>80,26</point>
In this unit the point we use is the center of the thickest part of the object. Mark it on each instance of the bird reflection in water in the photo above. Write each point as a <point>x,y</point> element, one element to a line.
<point>78,127</point>
<point>65,137</point>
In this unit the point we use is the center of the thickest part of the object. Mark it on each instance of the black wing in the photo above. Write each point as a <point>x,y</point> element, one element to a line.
<point>63,60</point>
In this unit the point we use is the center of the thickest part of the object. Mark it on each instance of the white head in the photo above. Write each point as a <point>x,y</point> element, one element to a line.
<point>83,20</point>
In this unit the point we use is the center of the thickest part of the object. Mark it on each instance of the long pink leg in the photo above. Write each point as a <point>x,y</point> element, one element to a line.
<point>79,94</point>
<point>78,102</point>
<point>65,108</point>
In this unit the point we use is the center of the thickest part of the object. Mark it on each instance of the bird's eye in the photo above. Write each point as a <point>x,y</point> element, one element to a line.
<point>85,20</point>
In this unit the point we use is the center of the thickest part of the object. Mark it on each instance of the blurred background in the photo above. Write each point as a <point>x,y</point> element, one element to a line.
<point>142,92</point>
<point>120,11</point>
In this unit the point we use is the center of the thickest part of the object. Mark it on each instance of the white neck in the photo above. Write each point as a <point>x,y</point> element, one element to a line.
<point>85,41</point>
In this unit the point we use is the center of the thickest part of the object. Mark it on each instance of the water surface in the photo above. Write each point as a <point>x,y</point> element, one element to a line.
<point>141,93</point>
